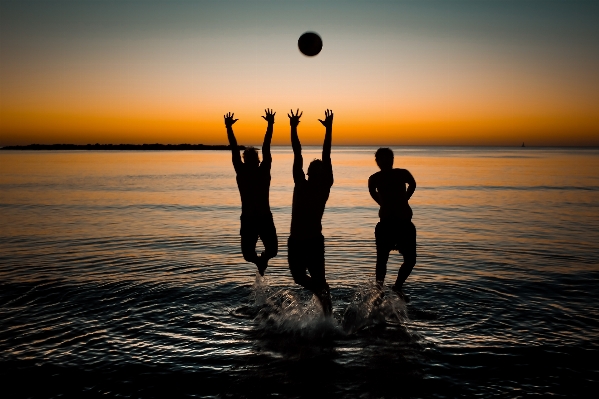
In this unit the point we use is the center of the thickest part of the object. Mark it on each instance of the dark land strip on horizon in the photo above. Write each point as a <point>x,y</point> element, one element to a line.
<point>120,147</point>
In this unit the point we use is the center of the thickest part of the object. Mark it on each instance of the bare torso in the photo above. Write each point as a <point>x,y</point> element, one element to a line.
<point>388,189</point>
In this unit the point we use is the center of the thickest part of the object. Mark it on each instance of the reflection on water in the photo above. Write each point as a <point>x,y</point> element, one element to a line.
<point>121,275</point>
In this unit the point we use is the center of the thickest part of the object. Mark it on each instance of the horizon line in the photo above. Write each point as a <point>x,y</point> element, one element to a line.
<point>310,145</point>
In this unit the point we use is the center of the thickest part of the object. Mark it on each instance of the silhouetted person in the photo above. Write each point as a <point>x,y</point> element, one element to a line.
<point>306,242</point>
<point>253,181</point>
<point>395,229</point>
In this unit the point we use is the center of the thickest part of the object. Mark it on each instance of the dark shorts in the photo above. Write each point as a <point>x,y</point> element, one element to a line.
<point>305,254</point>
<point>262,226</point>
<point>396,234</point>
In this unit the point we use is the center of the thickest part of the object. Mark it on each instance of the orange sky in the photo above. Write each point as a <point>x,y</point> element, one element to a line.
<point>414,85</point>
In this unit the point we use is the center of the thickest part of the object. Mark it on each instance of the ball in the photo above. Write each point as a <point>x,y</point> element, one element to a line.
<point>309,44</point>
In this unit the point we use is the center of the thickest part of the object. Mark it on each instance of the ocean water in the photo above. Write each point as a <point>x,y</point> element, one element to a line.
<point>121,276</point>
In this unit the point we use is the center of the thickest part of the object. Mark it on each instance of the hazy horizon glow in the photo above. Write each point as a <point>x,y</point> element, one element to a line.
<point>406,73</point>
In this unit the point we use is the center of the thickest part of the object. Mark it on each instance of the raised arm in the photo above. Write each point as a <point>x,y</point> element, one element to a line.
<point>270,118</point>
<point>326,146</point>
<point>328,137</point>
<point>298,160</point>
<point>229,121</point>
<point>411,184</point>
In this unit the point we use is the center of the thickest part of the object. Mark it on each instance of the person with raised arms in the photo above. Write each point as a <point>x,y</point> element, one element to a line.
<point>253,181</point>
<point>306,242</point>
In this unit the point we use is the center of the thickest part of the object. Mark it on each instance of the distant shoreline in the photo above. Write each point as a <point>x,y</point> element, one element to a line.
<point>120,147</point>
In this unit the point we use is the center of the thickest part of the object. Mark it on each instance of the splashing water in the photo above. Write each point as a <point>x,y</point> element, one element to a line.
<point>286,312</point>
<point>373,305</point>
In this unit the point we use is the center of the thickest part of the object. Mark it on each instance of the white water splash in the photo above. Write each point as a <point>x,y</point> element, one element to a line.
<point>285,312</point>
<point>373,305</point>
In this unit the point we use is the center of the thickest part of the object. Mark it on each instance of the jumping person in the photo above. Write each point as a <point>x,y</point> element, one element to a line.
<point>253,181</point>
<point>306,242</point>
<point>395,229</point>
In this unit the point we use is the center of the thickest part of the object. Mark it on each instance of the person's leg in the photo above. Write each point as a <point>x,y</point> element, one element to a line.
<point>407,247</point>
<point>297,264</point>
<point>382,252</point>
<point>315,262</point>
<point>402,275</point>
<point>316,267</point>
<point>249,238</point>
<point>248,247</point>
<point>405,270</point>
<point>268,235</point>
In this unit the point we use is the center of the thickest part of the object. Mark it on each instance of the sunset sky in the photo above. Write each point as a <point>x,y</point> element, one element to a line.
<point>395,73</point>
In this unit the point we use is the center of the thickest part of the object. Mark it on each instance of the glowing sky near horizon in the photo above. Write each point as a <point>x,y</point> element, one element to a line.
<point>395,73</point>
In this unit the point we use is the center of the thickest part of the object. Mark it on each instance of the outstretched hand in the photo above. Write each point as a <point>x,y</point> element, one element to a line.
<point>328,120</point>
<point>294,120</point>
<point>270,116</point>
<point>229,121</point>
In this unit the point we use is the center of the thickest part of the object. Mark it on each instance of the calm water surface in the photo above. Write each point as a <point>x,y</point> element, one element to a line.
<point>121,276</point>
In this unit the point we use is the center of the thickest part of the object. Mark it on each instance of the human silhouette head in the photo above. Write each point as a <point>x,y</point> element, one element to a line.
<point>250,157</point>
<point>384,158</point>
<point>315,170</point>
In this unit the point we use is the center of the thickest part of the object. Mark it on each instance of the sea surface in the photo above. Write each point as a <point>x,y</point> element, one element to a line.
<point>121,275</point>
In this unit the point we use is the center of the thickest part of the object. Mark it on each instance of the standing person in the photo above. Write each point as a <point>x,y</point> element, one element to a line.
<point>395,229</point>
<point>253,181</point>
<point>306,242</point>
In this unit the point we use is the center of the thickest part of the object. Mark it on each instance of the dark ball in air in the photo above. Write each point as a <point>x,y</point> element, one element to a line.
<point>310,44</point>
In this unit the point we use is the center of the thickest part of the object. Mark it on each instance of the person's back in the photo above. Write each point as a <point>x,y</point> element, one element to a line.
<point>254,186</point>
<point>395,229</point>
<point>309,201</point>
<point>391,187</point>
